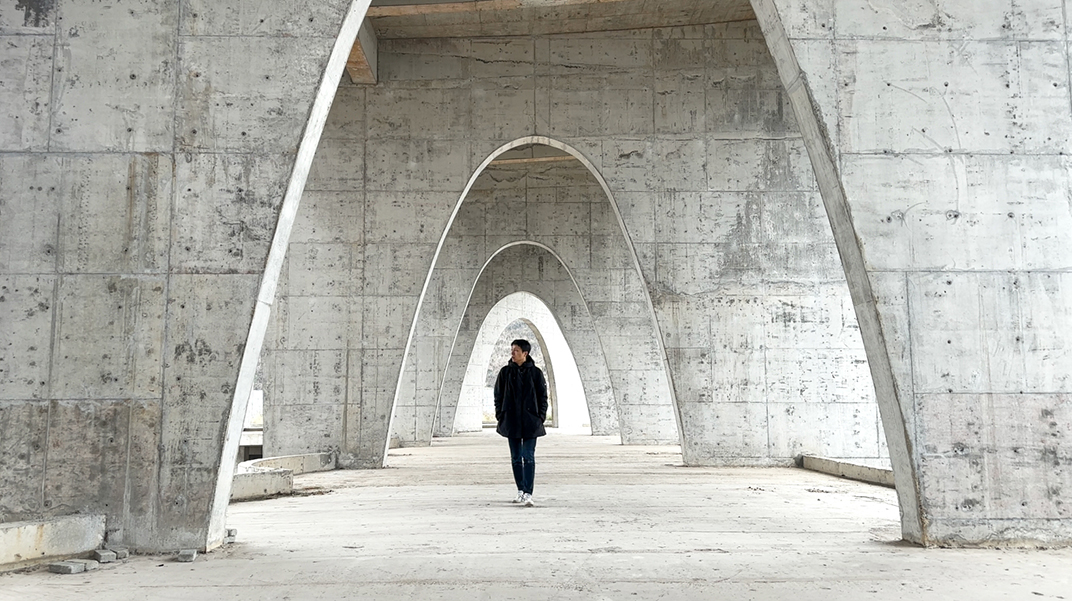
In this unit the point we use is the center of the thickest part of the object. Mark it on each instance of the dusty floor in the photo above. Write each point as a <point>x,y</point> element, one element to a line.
<point>612,522</point>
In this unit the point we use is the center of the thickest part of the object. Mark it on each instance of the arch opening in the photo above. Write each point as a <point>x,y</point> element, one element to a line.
<point>718,388</point>
<point>548,196</point>
<point>520,315</point>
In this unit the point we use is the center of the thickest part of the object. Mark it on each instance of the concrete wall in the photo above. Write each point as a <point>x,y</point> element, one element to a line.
<point>941,134</point>
<point>144,147</point>
<point>140,183</point>
<point>693,132</point>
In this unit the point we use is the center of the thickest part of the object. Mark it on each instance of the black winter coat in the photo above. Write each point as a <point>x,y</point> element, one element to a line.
<point>520,400</point>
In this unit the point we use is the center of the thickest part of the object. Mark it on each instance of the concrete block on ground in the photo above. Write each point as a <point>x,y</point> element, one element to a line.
<point>25,542</point>
<point>87,564</point>
<point>104,555</point>
<point>299,464</point>
<point>120,552</point>
<point>258,484</point>
<point>270,476</point>
<point>187,555</point>
<point>67,567</point>
<point>852,471</point>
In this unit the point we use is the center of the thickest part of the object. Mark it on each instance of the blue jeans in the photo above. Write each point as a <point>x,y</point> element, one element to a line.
<point>523,460</point>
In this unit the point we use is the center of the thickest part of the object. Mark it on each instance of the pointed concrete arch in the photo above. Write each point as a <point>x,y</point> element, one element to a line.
<point>642,363</point>
<point>561,301</point>
<point>473,394</point>
<point>877,344</point>
<point>251,353</point>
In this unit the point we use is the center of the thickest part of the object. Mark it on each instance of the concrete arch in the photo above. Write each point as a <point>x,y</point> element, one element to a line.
<point>561,300</point>
<point>567,409</point>
<point>314,128</point>
<point>641,378</point>
<point>865,300</point>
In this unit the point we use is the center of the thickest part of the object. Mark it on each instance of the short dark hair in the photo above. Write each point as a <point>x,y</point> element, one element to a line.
<point>522,344</point>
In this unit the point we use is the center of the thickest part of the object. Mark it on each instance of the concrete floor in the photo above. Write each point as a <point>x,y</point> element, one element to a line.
<point>612,522</point>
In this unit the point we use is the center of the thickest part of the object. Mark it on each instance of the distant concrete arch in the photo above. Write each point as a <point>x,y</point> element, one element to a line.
<point>641,379</point>
<point>471,353</point>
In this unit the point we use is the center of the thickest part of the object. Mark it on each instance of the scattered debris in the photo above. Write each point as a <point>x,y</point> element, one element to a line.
<point>187,555</point>
<point>105,555</point>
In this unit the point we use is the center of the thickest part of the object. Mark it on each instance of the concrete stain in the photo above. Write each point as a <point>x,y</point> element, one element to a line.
<point>199,351</point>
<point>36,13</point>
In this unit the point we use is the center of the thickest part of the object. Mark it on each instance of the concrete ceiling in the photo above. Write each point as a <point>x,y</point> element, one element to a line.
<point>481,18</point>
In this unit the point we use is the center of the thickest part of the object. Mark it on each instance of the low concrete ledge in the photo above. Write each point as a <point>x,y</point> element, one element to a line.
<point>271,476</point>
<point>298,464</point>
<point>27,543</point>
<point>852,471</point>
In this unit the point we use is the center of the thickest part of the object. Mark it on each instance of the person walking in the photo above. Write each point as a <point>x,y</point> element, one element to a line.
<point>520,410</point>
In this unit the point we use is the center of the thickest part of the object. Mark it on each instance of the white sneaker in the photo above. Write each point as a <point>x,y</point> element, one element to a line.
<point>528,500</point>
<point>520,498</point>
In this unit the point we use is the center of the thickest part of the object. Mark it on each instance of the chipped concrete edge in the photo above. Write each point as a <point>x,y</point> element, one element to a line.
<point>852,471</point>
<point>28,543</point>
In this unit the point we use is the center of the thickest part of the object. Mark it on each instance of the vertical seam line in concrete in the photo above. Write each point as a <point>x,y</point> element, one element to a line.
<point>911,354</point>
<point>169,273</point>
<point>53,76</point>
<point>345,397</point>
<point>1064,51</point>
<point>125,511</point>
<point>364,251</point>
<point>651,42</point>
<point>54,333</point>
<point>535,87</point>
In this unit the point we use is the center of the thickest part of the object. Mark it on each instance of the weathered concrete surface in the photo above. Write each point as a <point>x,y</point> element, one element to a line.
<point>943,135</point>
<point>612,521</point>
<point>691,130</point>
<point>140,184</point>
<point>422,19</point>
<point>143,160</point>
<point>24,543</point>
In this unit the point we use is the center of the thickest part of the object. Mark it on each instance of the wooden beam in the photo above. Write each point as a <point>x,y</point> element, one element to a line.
<point>362,62</point>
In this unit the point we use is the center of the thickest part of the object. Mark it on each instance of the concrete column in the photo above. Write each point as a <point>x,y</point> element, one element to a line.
<point>939,138</point>
<point>147,155</point>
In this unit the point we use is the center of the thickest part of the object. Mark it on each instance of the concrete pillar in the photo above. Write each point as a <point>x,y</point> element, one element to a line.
<point>147,176</point>
<point>939,136</point>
